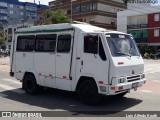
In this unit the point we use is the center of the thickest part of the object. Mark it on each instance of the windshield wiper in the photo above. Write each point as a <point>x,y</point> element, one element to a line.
<point>124,54</point>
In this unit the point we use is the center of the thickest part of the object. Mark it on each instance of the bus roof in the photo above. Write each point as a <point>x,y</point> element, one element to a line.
<point>64,27</point>
<point>60,27</point>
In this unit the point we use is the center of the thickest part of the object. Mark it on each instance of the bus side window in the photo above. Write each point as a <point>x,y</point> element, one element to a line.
<point>91,44</point>
<point>64,43</point>
<point>25,43</point>
<point>46,43</point>
<point>101,50</point>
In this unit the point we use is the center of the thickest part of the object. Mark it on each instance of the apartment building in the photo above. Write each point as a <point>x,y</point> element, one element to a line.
<point>13,11</point>
<point>143,22</point>
<point>154,29</point>
<point>102,13</point>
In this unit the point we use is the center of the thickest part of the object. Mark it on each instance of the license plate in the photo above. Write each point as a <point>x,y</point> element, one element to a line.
<point>135,85</point>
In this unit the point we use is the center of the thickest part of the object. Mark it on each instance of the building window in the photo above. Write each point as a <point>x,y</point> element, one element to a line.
<point>31,8</point>
<point>156,32</point>
<point>11,12</point>
<point>21,7</point>
<point>3,4</point>
<point>94,6</point>
<point>84,8</point>
<point>9,30</point>
<point>156,17</point>
<point>3,17</point>
<point>11,5</point>
<point>3,11</point>
<point>22,13</point>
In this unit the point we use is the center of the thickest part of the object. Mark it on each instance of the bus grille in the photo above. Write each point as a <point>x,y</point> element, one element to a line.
<point>133,78</point>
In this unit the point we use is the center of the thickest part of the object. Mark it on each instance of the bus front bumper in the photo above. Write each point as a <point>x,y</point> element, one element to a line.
<point>123,87</point>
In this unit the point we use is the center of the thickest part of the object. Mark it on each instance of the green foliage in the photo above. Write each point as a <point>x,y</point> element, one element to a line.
<point>2,39</point>
<point>146,48</point>
<point>54,17</point>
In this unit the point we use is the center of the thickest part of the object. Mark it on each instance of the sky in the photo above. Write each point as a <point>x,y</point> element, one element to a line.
<point>46,1</point>
<point>37,1</point>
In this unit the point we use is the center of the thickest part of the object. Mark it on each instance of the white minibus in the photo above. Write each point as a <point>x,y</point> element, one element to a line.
<point>78,57</point>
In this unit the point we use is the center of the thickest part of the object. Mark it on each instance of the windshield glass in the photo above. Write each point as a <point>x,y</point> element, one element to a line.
<point>122,45</point>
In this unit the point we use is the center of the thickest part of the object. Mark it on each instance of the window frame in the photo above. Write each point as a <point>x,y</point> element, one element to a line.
<point>84,49</point>
<point>156,17</point>
<point>156,34</point>
<point>46,51</point>
<point>99,38</point>
<point>17,50</point>
<point>70,42</point>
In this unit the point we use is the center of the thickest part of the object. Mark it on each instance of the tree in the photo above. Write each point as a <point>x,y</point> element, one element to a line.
<point>54,17</point>
<point>2,38</point>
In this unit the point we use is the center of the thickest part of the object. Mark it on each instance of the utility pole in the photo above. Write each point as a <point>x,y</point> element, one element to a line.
<point>71,11</point>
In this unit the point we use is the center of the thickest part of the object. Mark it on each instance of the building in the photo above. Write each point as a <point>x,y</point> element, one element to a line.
<point>10,29</point>
<point>142,22</point>
<point>154,34</point>
<point>13,11</point>
<point>102,13</point>
<point>15,14</point>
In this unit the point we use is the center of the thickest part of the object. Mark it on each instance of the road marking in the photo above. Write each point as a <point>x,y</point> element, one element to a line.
<point>156,81</point>
<point>155,70</point>
<point>3,95</point>
<point>146,91</point>
<point>12,81</point>
<point>16,90</point>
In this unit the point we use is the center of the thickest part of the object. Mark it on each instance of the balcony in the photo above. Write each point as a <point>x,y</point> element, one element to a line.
<point>138,26</point>
<point>141,40</point>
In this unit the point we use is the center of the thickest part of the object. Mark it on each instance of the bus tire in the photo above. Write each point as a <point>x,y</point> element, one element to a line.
<point>88,93</point>
<point>30,85</point>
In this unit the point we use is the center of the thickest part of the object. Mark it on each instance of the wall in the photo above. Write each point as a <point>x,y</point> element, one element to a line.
<point>152,24</point>
<point>140,19</point>
<point>104,19</point>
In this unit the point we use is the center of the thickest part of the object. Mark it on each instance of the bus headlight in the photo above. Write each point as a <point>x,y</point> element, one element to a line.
<point>121,80</point>
<point>142,76</point>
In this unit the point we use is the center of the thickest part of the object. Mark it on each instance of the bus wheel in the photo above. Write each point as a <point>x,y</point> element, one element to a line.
<point>30,85</point>
<point>88,93</point>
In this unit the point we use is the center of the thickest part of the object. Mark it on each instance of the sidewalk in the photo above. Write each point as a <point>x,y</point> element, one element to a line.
<point>4,64</point>
<point>4,61</point>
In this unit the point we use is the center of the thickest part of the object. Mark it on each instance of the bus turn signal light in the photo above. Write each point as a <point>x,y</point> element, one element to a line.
<point>120,88</point>
<point>112,88</point>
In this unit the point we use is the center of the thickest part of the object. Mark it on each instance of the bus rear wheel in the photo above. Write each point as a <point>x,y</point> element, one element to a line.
<point>88,93</point>
<point>30,85</point>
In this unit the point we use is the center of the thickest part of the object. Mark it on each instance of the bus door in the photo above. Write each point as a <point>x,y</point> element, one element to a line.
<point>63,61</point>
<point>94,58</point>
<point>44,59</point>
<point>24,54</point>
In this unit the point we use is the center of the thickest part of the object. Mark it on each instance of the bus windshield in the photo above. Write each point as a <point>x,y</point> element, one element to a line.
<point>122,45</point>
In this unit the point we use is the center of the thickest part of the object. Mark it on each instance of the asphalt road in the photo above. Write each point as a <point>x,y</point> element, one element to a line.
<point>146,98</point>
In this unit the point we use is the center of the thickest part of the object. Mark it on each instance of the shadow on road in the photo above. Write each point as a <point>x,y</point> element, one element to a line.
<point>52,99</point>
